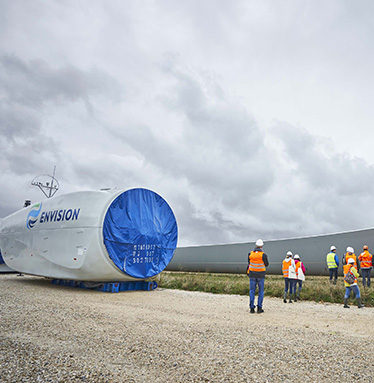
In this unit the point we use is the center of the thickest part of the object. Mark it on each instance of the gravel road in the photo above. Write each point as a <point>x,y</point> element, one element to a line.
<point>51,333</point>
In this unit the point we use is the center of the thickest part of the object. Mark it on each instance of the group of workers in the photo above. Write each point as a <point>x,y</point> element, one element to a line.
<point>351,266</point>
<point>294,274</point>
<point>364,262</point>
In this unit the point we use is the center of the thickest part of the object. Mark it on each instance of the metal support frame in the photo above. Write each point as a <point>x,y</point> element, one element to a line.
<point>108,287</point>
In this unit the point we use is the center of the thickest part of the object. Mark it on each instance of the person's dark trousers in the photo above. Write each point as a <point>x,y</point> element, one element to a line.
<point>293,286</point>
<point>287,286</point>
<point>253,283</point>
<point>366,276</point>
<point>333,273</point>
<point>300,283</point>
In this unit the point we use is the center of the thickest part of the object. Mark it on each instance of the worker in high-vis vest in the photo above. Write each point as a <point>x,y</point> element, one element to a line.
<point>350,253</point>
<point>289,274</point>
<point>332,261</point>
<point>256,270</point>
<point>366,264</point>
<point>350,282</point>
<point>300,275</point>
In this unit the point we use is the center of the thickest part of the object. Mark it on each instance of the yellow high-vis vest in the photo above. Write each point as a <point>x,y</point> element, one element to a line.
<point>330,259</point>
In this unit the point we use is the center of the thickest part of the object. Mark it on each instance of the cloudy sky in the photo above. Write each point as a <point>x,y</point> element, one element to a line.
<point>251,118</point>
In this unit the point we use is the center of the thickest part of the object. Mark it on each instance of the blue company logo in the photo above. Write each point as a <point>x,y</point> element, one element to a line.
<point>59,215</point>
<point>50,216</point>
<point>33,215</point>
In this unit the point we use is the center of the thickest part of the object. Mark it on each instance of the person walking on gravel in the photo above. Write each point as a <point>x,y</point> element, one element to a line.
<point>256,270</point>
<point>350,282</point>
<point>289,274</point>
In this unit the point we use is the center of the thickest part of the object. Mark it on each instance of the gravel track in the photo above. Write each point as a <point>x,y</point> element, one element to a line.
<point>51,333</point>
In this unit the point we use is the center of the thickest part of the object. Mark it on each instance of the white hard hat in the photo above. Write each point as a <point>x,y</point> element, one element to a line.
<point>289,253</point>
<point>332,248</point>
<point>351,260</point>
<point>259,243</point>
<point>350,249</point>
<point>296,256</point>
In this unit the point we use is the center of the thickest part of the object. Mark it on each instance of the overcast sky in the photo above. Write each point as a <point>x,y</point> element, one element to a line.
<point>251,118</point>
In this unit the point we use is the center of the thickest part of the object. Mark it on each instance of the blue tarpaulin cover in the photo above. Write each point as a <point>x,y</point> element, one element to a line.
<point>1,259</point>
<point>140,233</point>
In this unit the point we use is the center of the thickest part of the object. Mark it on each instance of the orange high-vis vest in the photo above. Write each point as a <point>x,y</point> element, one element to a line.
<point>297,267</point>
<point>353,255</point>
<point>346,269</point>
<point>366,260</point>
<point>285,266</point>
<point>255,261</point>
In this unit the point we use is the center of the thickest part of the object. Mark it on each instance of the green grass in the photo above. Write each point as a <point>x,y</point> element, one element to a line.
<point>315,288</point>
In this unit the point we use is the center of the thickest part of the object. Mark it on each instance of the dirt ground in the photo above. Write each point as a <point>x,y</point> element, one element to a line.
<point>51,333</point>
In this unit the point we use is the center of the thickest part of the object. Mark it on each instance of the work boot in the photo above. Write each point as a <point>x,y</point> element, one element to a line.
<point>290,300</point>
<point>259,310</point>
<point>298,296</point>
<point>252,311</point>
<point>294,297</point>
<point>359,303</point>
<point>334,282</point>
<point>285,297</point>
<point>346,303</point>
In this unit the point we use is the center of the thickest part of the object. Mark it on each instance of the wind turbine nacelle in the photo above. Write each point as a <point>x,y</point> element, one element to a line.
<point>92,236</point>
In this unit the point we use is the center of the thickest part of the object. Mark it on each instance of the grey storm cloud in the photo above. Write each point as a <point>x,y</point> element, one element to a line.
<point>34,83</point>
<point>27,88</point>
<point>343,173</point>
<point>220,144</point>
<point>17,120</point>
<point>331,188</point>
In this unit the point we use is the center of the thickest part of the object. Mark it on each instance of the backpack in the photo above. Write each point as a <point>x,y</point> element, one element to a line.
<point>349,278</point>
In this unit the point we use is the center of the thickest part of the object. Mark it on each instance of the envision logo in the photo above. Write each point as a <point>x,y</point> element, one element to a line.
<point>59,215</point>
<point>50,216</point>
<point>33,215</point>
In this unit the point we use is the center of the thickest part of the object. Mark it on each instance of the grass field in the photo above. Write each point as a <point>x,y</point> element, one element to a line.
<point>315,288</point>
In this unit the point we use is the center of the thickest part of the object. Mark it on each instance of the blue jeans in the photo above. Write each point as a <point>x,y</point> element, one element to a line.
<point>355,289</point>
<point>253,282</point>
<point>290,284</point>
<point>300,283</point>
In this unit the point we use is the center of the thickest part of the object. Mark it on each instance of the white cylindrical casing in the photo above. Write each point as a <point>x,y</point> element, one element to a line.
<point>66,244</point>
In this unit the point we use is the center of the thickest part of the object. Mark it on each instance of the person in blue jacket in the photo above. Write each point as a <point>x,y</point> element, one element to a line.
<point>332,261</point>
